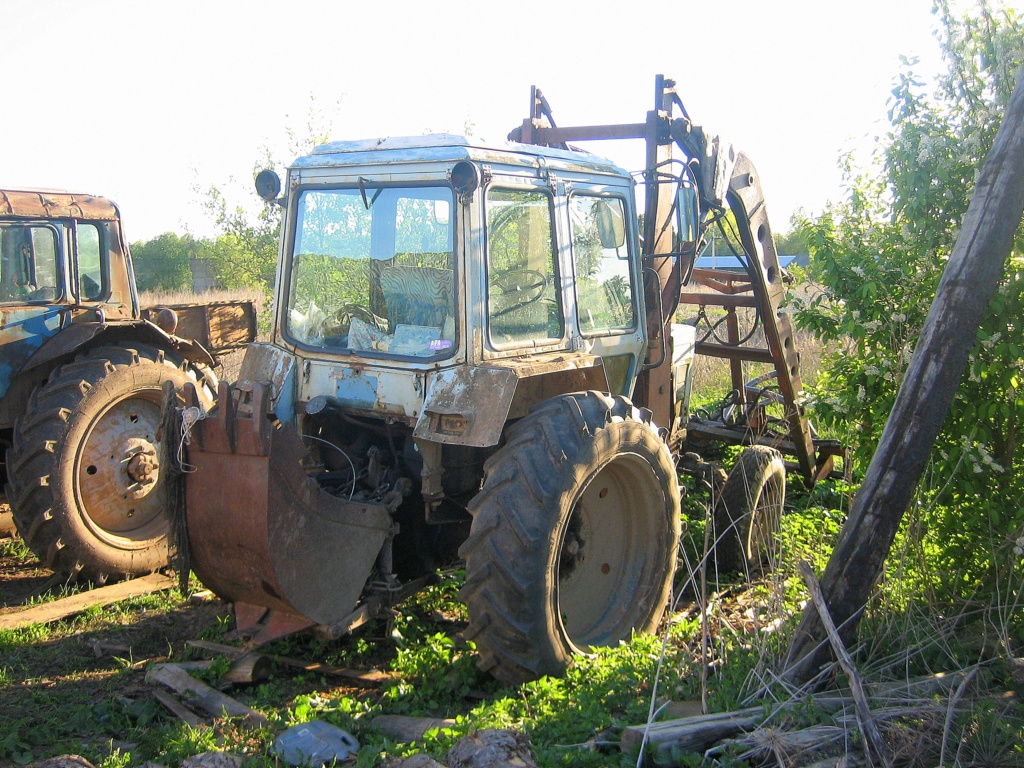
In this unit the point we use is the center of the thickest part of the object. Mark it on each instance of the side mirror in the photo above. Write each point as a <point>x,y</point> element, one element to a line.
<point>465,177</point>
<point>268,185</point>
<point>688,213</point>
<point>611,228</point>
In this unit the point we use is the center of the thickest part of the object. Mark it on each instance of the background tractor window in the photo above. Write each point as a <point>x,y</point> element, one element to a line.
<point>29,265</point>
<point>90,263</point>
<point>522,281</point>
<point>604,288</point>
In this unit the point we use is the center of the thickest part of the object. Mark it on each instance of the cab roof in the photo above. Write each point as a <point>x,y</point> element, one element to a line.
<point>446,147</point>
<point>55,204</point>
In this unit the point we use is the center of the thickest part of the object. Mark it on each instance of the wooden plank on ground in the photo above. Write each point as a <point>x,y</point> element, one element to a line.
<point>405,729</point>
<point>178,709</point>
<point>69,606</point>
<point>694,734</point>
<point>206,698</point>
<point>231,651</point>
<point>368,678</point>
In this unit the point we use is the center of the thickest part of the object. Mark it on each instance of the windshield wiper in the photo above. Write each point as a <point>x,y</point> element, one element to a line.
<point>362,191</point>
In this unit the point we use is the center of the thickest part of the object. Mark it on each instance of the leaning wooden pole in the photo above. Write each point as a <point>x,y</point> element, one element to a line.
<point>940,358</point>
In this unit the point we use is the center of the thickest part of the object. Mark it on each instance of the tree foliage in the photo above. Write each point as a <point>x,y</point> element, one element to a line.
<point>794,240</point>
<point>878,259</point>
<point>243,253</point>
<point>164,263</point>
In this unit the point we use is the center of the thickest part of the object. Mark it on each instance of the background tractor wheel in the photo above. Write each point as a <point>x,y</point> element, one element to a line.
<point>86,485</point>
<point>574,536</point>
<point>749,512</point>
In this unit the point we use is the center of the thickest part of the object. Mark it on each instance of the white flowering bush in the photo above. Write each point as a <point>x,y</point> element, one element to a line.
<point>878,259</point>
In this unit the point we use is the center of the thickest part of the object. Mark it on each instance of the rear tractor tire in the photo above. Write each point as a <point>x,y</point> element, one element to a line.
<point>748,514</point>
<point>574,536</point>
<point>86,486</point>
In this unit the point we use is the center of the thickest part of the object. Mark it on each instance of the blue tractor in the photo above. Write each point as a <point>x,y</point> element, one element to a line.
<point>81,377</point>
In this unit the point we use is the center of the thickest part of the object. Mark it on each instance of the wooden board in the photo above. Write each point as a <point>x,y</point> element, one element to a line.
<point>405,729</point>
<point>203,696</point>
<point>69,606</point>
<point>695,734</point>
<point>219,326</point>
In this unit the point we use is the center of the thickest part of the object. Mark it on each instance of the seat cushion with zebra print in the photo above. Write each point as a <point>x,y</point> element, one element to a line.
<point>418,295</point>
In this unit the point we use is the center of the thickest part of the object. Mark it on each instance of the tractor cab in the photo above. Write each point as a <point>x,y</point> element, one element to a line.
<point>406,258</point>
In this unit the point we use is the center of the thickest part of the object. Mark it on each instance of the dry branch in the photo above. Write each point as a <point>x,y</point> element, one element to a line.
<point>368,678</point>
<point>867,723</point>
<point>887,702</point>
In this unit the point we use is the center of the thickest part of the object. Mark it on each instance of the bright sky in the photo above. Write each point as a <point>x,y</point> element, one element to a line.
<point>141,101</point>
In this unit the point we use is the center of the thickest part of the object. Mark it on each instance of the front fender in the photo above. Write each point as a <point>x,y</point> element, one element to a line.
<point>471,405</point>
<point>77,336</point>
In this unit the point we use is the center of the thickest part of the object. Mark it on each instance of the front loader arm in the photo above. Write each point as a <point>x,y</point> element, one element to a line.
<point>726,178</point>
<point>723,179</point>
<point>746,201</point>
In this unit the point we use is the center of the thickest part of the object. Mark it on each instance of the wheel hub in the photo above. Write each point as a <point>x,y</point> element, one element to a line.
<point>143,467</point>
<point>604,565</point>
<point>119,469</point>
<point>139,467</point>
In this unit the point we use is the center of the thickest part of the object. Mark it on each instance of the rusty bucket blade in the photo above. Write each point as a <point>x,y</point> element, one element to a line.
<point>261,532</point>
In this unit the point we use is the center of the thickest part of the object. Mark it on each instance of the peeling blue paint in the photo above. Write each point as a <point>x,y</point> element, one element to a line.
<point>22,332</point>
<point>355,389</point>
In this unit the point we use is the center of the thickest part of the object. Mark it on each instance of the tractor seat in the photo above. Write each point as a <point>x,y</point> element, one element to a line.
<point>418,295</point>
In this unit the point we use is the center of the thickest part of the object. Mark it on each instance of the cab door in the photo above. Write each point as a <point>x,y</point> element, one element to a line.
<point>606,283</point>
<point>523,291</point>
<point>31,291</point>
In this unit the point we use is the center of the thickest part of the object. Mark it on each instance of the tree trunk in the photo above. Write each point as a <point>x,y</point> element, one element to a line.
<point>939,360</point>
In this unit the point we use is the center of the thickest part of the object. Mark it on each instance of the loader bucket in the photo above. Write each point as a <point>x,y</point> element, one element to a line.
<point>261,533</point>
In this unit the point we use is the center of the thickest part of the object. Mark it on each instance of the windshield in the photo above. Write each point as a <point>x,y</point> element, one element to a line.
<point>373,271</point>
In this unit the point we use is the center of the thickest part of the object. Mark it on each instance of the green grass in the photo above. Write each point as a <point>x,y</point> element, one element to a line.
<point>57,696</point>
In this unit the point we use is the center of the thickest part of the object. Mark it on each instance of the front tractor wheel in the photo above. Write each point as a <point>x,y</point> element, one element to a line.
<point>86,486</point>
<point>574,536</point>
<point>748,514</point>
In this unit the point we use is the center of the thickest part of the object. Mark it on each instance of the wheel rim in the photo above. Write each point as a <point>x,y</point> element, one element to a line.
<point>762,545</point>
<point>610,563</point>
<point>117,470</point>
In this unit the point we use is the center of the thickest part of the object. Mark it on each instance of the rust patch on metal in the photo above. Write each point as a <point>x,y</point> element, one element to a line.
<point>261,532</point>
<point>37,204</point>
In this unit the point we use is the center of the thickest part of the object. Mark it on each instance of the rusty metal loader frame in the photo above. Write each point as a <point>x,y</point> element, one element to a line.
<point>722,178</point>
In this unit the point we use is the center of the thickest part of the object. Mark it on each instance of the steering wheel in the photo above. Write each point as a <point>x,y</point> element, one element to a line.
<point>522,287</point>
<point>354,310</point>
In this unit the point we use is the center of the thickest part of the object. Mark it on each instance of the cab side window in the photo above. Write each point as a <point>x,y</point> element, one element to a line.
<point>522,279</point>
<point>604,283</point>
<point>90,263</point>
